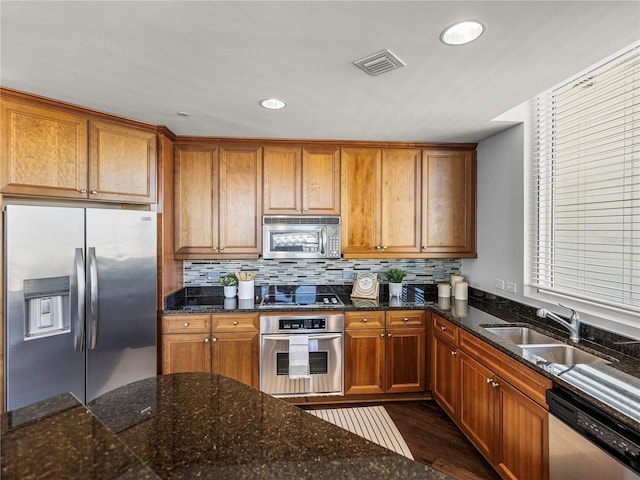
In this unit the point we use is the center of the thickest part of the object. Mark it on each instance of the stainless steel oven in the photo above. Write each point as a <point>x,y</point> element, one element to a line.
<point>300,237</point>
<point>302,354</point>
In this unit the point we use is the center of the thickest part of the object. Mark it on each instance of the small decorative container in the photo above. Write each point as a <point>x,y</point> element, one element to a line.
<point>395,289</point>
<point>246,290</point>
<point>230,291</point>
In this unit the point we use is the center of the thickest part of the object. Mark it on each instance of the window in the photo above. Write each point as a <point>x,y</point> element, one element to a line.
<point>584,230</point>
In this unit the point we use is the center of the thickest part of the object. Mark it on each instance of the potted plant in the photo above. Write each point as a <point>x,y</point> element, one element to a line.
<point>230,284</point>
<point>395,276</point>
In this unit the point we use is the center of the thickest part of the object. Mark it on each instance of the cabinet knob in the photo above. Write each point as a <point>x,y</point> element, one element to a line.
<point>206,340</point>
<point>379,247</point>
<point>186,324</point>
<point>83,190</point>
<point>365,320</point>
<point>94,192</point>
<point>235,323</point>
<point>443,328</point>
<point>214,339</point>
<point>424,248</point>
<point>385,247</point>
<point>405,319</point>
<point>388,335</point>
<point>305,209</point>
<point>221,248</point>
<point>454,353</point>
<point>382,335</point>
<point>215,248</point>
<point>495,384</point>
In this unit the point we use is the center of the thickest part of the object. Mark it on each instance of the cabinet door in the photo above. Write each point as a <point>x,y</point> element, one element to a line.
<point>321,181</point>
<point>400,201</point>
<point>477,401</point>
<point>186,353</point>
<point>449,203</point>
<point>44,151</point>
<point>122,163</point>
<point>240,200</point>
<point>445,375</point>
<point>282,181</point>
<point>406,359</point>
<point>360,180</point>
<point>364,361</point>
<point>236,355</point>
<point>195,201</point>
<point>522,436</point>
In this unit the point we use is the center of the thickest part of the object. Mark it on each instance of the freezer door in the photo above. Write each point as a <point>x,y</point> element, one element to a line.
<point>44,248</point>
<point>121,298</point>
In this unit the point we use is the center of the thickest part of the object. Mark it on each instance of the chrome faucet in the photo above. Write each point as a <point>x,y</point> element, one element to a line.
<point>573,323</point>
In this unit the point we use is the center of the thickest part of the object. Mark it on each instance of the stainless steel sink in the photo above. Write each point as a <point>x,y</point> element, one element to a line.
<point>562,354</point>
<point>521,335</point>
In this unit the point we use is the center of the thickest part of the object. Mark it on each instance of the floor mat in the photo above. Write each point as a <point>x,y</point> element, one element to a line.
<point>372,423</point>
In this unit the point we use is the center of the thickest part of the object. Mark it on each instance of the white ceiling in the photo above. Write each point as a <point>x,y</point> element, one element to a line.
<point>147,60</point>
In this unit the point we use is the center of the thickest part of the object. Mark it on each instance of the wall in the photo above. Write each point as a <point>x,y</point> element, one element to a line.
<point>319,272</point>
<point>500,214</point>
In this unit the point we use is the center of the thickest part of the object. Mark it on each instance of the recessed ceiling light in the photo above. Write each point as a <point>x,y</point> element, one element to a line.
<point>462,32</point>
<point>273,103</point>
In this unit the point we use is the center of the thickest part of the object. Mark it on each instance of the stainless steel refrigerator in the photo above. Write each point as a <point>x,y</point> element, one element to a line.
<point>80,300</point>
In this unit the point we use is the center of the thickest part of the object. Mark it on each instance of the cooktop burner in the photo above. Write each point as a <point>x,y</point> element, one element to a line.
<point>300,297</point>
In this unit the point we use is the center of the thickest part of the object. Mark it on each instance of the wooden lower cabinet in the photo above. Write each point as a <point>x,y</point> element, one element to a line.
<point>227,344</point>
<point>476,387</point>
<point>380,359</point>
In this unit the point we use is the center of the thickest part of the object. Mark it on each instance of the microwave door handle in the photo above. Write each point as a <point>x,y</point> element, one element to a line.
<point>323,240</point>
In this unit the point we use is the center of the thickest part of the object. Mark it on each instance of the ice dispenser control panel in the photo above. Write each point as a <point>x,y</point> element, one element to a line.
<point>46,307</point>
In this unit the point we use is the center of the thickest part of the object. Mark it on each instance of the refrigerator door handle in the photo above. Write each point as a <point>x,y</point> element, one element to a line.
<point>80,283</point>
<point>93,297</point>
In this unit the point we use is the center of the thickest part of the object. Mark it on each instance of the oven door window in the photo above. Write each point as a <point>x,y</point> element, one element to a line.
<point>318,363</point>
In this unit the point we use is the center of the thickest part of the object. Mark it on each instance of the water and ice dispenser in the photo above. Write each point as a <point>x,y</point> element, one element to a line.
<point>46,307</point>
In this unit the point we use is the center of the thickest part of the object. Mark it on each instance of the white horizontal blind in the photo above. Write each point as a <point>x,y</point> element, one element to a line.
<point>585,219</point>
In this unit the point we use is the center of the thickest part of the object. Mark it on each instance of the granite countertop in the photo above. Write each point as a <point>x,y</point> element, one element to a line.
<point>613,386</point>
<point>185,426</point>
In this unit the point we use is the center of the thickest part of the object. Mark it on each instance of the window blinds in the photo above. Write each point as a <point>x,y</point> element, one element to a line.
<point>585,219</point>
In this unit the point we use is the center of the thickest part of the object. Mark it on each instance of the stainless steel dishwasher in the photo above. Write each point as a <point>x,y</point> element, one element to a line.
<point>587,443</point>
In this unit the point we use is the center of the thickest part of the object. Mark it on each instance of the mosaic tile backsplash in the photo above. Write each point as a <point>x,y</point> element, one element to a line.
<point>318,272</point>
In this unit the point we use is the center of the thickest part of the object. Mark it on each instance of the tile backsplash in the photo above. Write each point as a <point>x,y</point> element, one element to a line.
<point>319,272</point>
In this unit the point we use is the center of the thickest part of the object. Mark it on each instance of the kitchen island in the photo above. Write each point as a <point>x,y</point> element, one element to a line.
<point>184,426</point>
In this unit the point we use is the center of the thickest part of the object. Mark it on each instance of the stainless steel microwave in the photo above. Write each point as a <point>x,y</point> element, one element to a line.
<point>300,237</point>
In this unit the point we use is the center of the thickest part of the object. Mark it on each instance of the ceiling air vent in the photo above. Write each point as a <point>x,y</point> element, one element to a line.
<point>380,62</point>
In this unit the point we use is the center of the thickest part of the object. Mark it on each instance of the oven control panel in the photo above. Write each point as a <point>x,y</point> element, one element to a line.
<point>307,323</point>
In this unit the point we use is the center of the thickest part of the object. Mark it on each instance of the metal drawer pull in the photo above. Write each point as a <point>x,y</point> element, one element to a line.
<point>364,320</point>
<point>495,384</point>
<point>206,340</point>
<point>454,353</point>
<point>186,324</point>
<point>235,323</point>
<point>405,319</point>
<point>443,328</point>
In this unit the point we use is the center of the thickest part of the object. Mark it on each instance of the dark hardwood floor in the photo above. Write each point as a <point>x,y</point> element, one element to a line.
<point>435,440</point>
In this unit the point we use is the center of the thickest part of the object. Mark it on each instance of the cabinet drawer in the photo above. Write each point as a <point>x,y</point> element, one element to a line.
<point>445,329</point>
<point>186,324</point>
<point>520,376</point>
<point>405,319</point>
<point>364,319</point>
<point>236,323</point>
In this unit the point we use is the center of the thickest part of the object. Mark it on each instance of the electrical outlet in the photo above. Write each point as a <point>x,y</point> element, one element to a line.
<point>511,287</point>
<point>348,274</point>
<point>499,284</point>
<point>213,276</point>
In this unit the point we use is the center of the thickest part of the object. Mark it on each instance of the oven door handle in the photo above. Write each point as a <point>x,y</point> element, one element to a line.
<point>324,336</point>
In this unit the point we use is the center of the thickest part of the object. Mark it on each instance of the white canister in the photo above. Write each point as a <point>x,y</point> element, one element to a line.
<point>246,290</point>
<point>454,280</point>
<point>444,290</point>
<point>230,291</point>
<point>462,291</point>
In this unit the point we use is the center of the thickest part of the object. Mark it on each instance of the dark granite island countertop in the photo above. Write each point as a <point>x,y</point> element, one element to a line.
<point>194,425</point>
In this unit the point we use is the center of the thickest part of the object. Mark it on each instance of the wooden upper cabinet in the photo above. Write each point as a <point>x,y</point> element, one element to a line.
<point>195,200</point>
<point>122,163</point>
<point>240,200</point>
<point>44,151</point>
<point>301,181</point>
<point>53,152</point>
<point>381,202</point>
<point>218,201</point>
<point>449,203</point>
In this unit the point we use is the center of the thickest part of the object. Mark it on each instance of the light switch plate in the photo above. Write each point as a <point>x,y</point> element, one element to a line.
<point>511,287</point>
<point>499,284</point>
